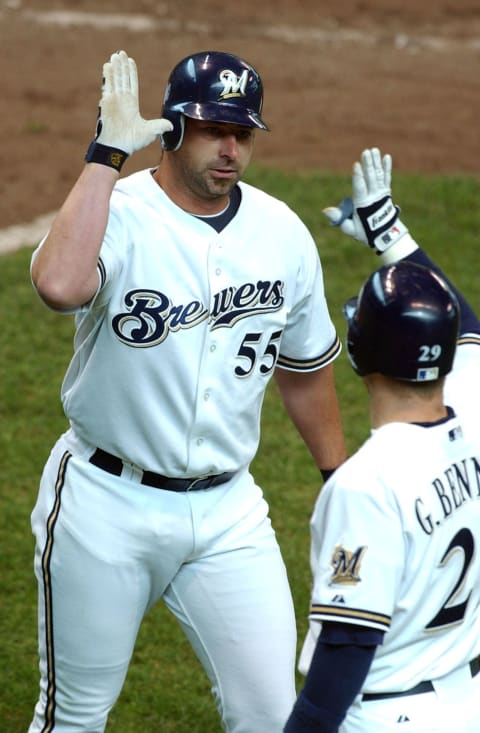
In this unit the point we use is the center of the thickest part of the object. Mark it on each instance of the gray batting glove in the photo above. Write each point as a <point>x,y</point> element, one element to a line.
<point>121,130</point>
<point>370,216</point>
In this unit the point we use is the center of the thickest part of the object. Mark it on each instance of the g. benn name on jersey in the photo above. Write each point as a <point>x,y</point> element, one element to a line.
<point>458,484</point>
<point>151,315</point>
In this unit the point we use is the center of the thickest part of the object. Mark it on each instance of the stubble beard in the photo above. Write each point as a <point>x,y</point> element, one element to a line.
<point>206,187</point>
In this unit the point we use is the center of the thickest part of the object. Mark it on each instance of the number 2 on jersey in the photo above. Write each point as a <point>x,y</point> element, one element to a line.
<point>449,615</point>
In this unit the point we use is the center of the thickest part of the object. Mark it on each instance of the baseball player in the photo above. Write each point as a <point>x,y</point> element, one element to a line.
<point>190,290</point>
<point>394,633</point>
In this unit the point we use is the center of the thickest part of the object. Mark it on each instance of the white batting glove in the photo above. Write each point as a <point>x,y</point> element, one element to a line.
<point>121,130</point>
<point>370,216</point>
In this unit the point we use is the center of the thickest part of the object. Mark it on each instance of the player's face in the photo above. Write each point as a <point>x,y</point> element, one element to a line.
<point>213,157</point>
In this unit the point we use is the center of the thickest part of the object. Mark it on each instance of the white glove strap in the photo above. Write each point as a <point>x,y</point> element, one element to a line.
<point>399,249</point>
<point>389,236</point>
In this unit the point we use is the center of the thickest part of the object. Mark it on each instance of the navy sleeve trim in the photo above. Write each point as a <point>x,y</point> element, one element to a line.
<point>102,272</point>
<point>310,365</point>
<point>471,339</point>
<point>334,632</point>
<point>358,616</point>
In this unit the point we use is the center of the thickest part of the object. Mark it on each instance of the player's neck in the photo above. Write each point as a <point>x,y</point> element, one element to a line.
<point>395,401</point>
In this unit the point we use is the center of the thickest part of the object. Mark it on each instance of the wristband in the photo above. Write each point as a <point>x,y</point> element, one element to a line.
<point>327,472</point>
<point>105,155</point>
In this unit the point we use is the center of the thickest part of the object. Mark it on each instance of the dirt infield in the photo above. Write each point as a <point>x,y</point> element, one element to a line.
<point>340,76</point>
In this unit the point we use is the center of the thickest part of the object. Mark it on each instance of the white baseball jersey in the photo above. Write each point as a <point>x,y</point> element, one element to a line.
<point>187,327</point>
<point>396,544</point>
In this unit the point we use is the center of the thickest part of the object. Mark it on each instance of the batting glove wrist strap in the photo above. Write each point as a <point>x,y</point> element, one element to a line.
<point>105,155</point>
<point>381,224</point>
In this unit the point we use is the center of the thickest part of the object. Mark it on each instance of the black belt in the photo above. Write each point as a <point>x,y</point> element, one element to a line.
<point>112,464</point>
<point>426,686</point>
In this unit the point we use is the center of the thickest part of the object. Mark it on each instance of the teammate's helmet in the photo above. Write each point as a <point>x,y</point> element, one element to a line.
<point>404,324</point>
<point>211,85</point>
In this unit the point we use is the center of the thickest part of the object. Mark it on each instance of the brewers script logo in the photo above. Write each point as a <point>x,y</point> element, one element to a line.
<point>346,565</point>
<point>233,85</point>
<point>150,315</point>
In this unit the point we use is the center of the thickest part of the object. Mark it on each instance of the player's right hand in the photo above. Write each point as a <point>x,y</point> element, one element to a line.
<point>370,216</point>
<point>119,123</point>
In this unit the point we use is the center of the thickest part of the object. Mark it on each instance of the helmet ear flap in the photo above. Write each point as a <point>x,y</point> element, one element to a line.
<point>172,139</point>
<point>359,349</point>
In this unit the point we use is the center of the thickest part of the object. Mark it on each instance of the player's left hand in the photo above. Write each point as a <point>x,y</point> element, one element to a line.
<point>370,216</point>
<point>119,123</point>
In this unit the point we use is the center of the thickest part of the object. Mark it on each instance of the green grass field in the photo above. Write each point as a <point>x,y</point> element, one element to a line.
<point>166,689</point>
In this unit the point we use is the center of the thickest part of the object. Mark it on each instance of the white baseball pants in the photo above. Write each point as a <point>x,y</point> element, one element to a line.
<point>108,548</point>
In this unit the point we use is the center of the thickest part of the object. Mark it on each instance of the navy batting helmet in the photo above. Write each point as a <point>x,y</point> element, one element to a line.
<point>404,324</point>
<point>211,85</point>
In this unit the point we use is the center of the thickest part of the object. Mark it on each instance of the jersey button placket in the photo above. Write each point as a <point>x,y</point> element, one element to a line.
<point>204,405</point>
